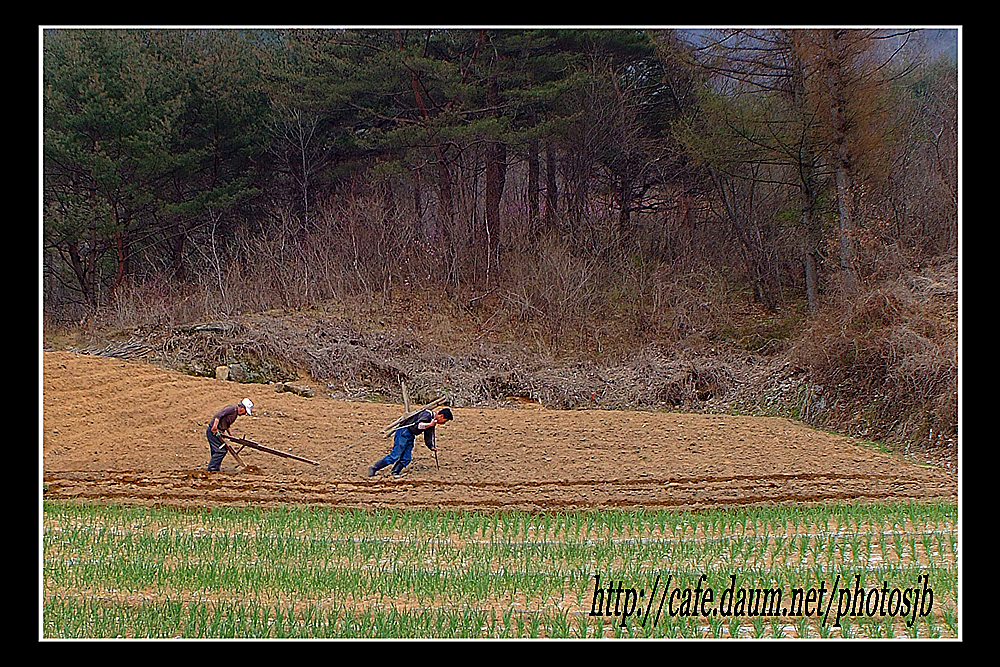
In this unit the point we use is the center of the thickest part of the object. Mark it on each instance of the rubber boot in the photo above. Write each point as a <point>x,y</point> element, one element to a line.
<point>396,469</point>
<point>375,467</point>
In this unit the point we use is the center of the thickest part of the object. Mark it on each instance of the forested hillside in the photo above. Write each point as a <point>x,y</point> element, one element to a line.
<point>581,195</point>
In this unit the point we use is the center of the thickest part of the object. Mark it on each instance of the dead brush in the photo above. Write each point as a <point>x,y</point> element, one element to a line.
<point>552,292</point>
<point>890,360</point>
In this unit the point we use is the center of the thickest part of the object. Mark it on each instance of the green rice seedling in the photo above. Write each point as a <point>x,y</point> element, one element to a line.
<point>693,628</point>
<point>520,626</point>
<point>942,546</point>
<point>950,619</point>
<point>847,630</point>
<point>559,625</point>
<point>933,631</point>
<point>716,626</point>
<point>758,627</point>
<point>300,561</point>
<point>802,627</point>
<point>802,547</point>
<point>911,547</point>
<point>925,541</point>
<point>888,627</point>
<point>490,626</point>
<point>581,628</point>
<point>508,621</point>
<point>672,628</point>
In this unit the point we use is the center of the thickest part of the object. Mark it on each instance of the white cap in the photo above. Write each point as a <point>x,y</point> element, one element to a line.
<point>248,404</point>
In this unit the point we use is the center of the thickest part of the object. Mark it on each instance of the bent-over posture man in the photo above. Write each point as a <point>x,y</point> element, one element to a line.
<point>402,447</point>
<point>221,423</point>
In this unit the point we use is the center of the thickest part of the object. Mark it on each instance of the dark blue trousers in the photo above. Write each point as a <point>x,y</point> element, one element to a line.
<point>218,450</point>
<point>401,454</point>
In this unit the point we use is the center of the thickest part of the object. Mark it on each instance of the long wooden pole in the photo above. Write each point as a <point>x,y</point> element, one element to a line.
<point>393,427</point>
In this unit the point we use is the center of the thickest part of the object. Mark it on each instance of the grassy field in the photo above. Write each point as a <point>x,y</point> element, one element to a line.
<point>305,572</point>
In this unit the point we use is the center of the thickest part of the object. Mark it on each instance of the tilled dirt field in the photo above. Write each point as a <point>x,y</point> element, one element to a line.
<point>123,431</point>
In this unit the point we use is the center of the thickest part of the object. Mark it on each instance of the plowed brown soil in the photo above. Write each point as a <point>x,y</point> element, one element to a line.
<point>124,431</point>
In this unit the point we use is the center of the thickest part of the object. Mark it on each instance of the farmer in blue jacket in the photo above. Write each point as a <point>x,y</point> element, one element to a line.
<point>402,447</point>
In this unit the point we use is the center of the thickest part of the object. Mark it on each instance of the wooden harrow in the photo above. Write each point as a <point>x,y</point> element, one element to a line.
<point>243,442</point>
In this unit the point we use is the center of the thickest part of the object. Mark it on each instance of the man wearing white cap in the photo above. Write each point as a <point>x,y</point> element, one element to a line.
<point>221,423</point>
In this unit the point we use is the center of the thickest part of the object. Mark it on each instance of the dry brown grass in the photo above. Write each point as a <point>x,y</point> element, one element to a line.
<point>889,354</point>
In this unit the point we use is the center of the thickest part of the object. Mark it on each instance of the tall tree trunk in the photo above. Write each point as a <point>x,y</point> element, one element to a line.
<point>841,156</point>
<point>121,264</point>
<point>551,188</point>
<point>812,280</point>
<point>445,199</point>
<point>446,205</point>
<point>809,232</point>
<point>533,174</point>
<point>80,270</point>
<point>418,201</point>
<point>496,177</point>
<point>496,164</point>
<point>445,217</point>
<point>810,251</point>
<point>179,242</point>
<point>847,227</point>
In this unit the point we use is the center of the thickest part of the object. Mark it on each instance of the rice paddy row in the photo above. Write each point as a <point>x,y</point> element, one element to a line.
<point>306,572</point>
